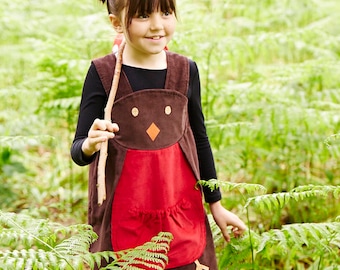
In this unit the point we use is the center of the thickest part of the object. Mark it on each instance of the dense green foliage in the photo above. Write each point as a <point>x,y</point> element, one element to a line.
<point>270,94</point>
<point>42,244</point>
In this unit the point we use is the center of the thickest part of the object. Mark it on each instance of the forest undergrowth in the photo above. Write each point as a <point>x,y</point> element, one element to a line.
<point>270,93</point>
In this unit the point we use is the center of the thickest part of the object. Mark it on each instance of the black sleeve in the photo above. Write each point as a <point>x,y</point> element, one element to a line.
<point>92,106</point>
<point>204,152</point>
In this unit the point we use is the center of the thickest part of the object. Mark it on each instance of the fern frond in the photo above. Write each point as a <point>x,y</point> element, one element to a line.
<point>332,138</point>
<point>12,225</point>
<point>11,237</point>
<point>38,240</point>
<point>41,244</point>
<point>95,259</point>
<point>20,141</point>
<point>229,186</point>
<point>151,255</point>
<point>279,200</point>
<point>301,236</point>
<point>33,259</point>
<point>215,230</point>
<point>76,244</point>
<point>63,103</point>
<point>28,231</point>
<point>238,253</point>
<point>325,189</point>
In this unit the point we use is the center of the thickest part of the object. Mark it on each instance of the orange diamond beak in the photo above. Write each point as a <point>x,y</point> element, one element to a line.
<point>153,131</point>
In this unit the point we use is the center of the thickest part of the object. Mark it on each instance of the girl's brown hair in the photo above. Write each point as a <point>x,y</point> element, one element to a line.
<point>138,7</point>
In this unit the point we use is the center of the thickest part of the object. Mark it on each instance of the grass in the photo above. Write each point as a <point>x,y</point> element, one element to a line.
<point>270,93</point>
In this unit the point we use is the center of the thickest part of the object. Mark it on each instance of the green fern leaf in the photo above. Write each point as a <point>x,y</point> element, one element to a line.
<point>238,252</point>
<point>273,237</point>
<point>48,251</point>
<point>151,255</point>
<point>76,244</point>
<point>26,259</point>
<point>303,235</point>
<point>16,142</point>
<point>279,200</point>
<point>71,103</point>
<point>92,259</point>
<point>315,189</point>
<point>229,186</point>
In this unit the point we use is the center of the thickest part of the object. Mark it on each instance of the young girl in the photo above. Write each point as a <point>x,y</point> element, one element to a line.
<point>157,143</point>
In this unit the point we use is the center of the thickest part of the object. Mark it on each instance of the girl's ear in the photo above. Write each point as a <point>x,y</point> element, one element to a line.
<point>116,23</point>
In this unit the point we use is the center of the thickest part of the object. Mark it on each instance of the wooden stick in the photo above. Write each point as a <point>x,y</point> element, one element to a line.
<point>101,189</point>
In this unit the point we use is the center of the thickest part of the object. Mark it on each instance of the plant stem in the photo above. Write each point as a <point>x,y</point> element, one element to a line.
<point>250,241</point>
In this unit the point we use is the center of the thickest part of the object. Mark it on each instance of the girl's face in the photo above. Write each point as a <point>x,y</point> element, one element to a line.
<point>150,33</point>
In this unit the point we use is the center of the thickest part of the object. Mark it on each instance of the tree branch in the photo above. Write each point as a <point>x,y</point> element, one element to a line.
<point>107,116</point>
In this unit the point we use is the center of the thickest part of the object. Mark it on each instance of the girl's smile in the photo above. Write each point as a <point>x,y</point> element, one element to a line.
<point>155,37</point>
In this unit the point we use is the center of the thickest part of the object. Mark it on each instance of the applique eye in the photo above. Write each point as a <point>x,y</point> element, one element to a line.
<point>167,110</point>
<point>134,111</point>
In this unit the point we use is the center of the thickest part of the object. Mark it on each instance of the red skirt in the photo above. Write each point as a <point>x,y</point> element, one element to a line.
<point>157,193</point>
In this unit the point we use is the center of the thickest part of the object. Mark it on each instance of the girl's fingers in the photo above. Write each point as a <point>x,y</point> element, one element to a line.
<point>225,234</point>
<point>98,133</point>
<point>238,231</point>
<point>98,125</point>
<point>115,127</point>
<point>98,140</point>
<point>104,125</point>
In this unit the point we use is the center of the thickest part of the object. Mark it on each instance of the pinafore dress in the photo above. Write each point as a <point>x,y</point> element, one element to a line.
<point>151,171</point>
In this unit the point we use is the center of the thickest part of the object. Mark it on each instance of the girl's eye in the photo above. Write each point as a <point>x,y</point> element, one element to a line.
<point>142,16</point>
<point>167,13</point>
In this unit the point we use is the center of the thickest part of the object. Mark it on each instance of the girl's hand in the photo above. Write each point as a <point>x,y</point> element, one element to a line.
<point>100,131</point>
<point>225,218</point>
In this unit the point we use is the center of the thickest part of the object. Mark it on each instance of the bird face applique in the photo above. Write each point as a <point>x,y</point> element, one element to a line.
<point>150,119</point>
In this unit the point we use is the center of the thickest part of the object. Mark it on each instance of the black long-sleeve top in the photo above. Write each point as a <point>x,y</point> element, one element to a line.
<point>94,100</point>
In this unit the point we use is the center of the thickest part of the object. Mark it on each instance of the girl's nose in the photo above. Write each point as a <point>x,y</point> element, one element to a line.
<point>156,21</point>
